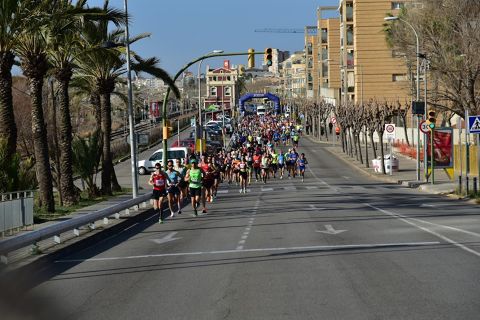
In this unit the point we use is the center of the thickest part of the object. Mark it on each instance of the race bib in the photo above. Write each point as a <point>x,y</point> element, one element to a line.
<point>159,182</point>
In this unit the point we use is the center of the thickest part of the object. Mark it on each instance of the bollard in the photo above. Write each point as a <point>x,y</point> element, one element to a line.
<point>475,187</point>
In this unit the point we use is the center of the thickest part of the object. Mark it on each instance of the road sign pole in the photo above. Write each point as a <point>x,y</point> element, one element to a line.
<point>418,148</point>
<point>432,159</point>
<point>467,152</point>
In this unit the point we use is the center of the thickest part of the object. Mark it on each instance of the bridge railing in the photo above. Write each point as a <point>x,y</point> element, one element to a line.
<point>71,225</point>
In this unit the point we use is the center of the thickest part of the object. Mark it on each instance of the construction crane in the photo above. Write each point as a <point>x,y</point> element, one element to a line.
<point>309,29</point>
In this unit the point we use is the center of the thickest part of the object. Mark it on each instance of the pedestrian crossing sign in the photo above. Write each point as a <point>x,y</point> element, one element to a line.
<point>474,124</point>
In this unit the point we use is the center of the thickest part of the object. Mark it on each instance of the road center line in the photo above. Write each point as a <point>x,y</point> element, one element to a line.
<point>438,235</point>
<point>290,249</point>
<point>244,237</point>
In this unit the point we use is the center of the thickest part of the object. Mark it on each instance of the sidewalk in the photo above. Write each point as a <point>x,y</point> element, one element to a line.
<point>406,175</point>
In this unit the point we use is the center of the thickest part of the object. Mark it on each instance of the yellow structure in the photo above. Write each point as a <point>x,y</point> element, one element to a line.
<point>329,81</point>
<point>369,68</point>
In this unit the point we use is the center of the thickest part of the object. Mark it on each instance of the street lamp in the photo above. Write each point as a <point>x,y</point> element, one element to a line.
<point>395,18</point>
<point>200,99</point>
<point>131,125</point>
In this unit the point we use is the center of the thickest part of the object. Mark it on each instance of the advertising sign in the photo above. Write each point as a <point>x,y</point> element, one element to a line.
<point>443,148</point>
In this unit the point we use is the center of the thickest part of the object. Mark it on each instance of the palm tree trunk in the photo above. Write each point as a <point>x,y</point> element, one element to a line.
<point>66,157</point>
<point>95,102</point>
<point>8,129</point>
<point>39,130</point>
<point>56,144</point>
<point>107,155</point>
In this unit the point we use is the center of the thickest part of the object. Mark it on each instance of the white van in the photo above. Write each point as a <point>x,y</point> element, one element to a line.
<point>261,110</point>
<point>148,165</point>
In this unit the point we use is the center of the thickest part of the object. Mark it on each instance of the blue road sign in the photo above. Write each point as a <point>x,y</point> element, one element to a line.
<point>474,124</point>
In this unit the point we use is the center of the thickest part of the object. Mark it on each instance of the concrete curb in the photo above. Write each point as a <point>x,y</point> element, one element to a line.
<point>421,186</point>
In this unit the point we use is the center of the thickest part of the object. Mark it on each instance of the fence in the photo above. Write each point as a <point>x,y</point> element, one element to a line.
<point>462,157</point>
<point>16,211</point>
<point>57,229</point>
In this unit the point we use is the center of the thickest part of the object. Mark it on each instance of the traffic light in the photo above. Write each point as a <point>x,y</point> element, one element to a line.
<point>431,119</point>
<point>268,56</point>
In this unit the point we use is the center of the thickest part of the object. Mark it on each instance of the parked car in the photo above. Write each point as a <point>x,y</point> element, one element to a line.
<point>228,124</point>
<point>148,165</point>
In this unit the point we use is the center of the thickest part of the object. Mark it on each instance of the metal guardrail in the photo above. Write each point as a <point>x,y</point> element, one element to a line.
<point>16,210</point>
<point>55,230</point>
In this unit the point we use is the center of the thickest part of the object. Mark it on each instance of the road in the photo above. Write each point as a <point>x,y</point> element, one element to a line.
<point>338,246</point>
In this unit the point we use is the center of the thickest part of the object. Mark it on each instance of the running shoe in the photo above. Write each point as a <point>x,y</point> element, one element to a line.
<point>204,211</point>
<point>160,221</point>
<point>195,213</point>
<point>179,211</point>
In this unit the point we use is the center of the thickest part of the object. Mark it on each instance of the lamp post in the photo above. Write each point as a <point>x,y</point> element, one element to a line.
<point>200,98</point>
<point>133,140</point>
<point>418,86</point>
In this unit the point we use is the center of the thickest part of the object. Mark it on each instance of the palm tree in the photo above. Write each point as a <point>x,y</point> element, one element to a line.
<point>103,67</point>
<point>31,49</point>
<point>64,46</point>
<point>14,19</point>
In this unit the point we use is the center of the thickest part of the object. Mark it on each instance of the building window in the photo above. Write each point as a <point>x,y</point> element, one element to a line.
<point>325,69</point>
<point>397,5</point>
<point>309,48</point>
<point>324,53</point>
<point>210,78</point>
<point>213,91</point>
<point>324,35</point>
<point>228,91</point>
<point>228,78</point>
<point>350,59</point>
<point>399,77</point>
<point>350,35</point>
<point>349,12</point>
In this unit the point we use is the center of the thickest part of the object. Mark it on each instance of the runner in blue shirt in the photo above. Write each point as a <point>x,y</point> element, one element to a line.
<point>302,162</point>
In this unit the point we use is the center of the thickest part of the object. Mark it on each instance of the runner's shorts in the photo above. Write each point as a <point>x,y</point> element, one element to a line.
<point>158,193</point>
<point>173,190</point>
<point>194,192</point>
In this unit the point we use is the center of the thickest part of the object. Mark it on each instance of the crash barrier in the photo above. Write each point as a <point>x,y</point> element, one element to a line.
<point>16,211</point>
<point>71,225</point>
<point>391,163</point>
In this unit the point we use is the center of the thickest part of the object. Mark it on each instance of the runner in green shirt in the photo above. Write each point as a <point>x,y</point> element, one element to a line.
<point>194,176</point>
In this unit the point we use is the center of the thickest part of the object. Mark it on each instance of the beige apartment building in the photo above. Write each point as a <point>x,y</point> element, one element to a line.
<point>329,81</point>
<point>369,68</point>
<point>293,73</point>
<point>312,62</point>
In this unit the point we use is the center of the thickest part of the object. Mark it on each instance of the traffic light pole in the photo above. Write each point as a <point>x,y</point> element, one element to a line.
<point>432,159</point>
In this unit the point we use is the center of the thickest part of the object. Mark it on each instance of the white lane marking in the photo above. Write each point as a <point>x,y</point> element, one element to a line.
<point>320,180</point>
<point>313,207</point>
<point>291,188</point>
<point>427,205</point>
<point>150,218</point>
<point>346,178</point>
<point>324,248</point>
<point>169,237</point>
<point>406,220</point>
<point>311,187</point>
<point>266,189</point>
<point>128,228</point>
<point>244,237</point>
<point>330,230</point>
<point>222,191</point>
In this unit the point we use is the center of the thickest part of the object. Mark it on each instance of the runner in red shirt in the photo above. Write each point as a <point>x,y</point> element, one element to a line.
<point>158,180</point>
<point>257,160</point>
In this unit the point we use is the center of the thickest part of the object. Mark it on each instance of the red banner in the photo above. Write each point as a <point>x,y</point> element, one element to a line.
<point>443,147</point>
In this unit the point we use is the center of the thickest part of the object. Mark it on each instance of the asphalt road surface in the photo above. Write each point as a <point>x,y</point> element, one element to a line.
<point>338,246</point>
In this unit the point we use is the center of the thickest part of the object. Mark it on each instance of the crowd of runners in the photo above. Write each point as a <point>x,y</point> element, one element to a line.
<point>262,148</point>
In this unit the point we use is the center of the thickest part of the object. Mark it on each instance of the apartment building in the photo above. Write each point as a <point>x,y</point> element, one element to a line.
<point>369,68</point>
<point>311,62</point>
<point>329,81</point>
<point>293,75</point>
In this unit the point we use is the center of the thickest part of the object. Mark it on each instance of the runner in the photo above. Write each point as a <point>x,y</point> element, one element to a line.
<point>182,185</point>
<point>242,167</point>
<point>281,163</point>
<point>194,176</point>
<point>257,159</point>
<point>265,167</point>
<point>173,191</point>
<point>158,180</point>
<point>302,162</point>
